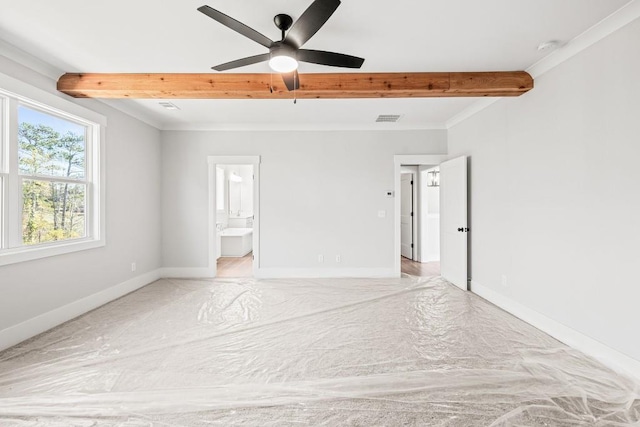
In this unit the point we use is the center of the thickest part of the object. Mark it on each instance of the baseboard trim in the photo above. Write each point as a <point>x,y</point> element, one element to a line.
<point>36,325</point>
<point>186,273</point>
<point>612,358</point>
<point>303,273</point>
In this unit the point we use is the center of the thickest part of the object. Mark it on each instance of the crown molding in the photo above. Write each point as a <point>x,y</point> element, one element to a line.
<point>25,59</point>
<point>612,23</point>
<point>240,127</point>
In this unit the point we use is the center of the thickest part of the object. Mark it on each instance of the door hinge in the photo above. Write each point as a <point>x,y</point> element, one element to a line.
<point>253,257</point>
<point>411,213</point>
<point>411,182</point>
<point>412,245</point>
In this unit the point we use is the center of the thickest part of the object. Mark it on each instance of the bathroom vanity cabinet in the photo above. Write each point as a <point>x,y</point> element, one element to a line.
<point>241,222</point>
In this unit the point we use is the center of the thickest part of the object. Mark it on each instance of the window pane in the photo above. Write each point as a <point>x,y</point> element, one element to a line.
<point>52,211</point>
<point>50,145</point>
<point>2,127</point>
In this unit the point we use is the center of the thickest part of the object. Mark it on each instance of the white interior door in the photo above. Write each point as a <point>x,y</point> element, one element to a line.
<point>406,215</point>
<point>453,221</point>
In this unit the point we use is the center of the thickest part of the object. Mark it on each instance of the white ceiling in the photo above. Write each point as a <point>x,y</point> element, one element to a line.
<point>403,35</point>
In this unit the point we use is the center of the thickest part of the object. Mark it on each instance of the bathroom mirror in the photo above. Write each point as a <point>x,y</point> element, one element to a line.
<point>239,179</point>
<point>235,197</point>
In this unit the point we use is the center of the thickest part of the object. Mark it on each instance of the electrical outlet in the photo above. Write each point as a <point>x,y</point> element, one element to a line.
<point>504,281</point>
<point>338,258</point>
<point>382,214</point>
<point>133,266</point>
<point>320,258</point>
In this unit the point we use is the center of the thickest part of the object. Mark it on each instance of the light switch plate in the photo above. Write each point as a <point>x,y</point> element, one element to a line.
<point>382,214</point>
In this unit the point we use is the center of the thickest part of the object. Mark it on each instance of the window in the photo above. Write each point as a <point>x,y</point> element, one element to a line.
<point>50,193</point>
<point>51,163</point>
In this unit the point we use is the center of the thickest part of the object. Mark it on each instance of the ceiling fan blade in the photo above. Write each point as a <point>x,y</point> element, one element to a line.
<point>329,58</point>
<point>242,62</point>
<point>311,21</point>
<point>291,80</point>
<point>237,26</point>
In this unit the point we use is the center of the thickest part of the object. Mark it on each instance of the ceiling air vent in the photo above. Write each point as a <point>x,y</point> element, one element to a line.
<point>387,118</point>
<point>169,105</point>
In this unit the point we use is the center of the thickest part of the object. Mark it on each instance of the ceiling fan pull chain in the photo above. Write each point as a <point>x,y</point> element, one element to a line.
<point>271,84</point>
<point>295,99</point>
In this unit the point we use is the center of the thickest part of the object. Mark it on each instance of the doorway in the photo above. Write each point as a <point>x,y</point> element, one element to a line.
<point>453,226</point>
<point>423,260</point>
<point>419,221</point>
<point>234,220</point>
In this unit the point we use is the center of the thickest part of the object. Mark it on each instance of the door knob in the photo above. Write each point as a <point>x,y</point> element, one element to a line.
<point>460,229</point>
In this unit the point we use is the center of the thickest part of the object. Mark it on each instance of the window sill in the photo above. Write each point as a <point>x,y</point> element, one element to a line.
<point>14,256</point>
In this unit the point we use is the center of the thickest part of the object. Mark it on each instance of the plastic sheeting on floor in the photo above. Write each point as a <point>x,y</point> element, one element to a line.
<point>362,352</point>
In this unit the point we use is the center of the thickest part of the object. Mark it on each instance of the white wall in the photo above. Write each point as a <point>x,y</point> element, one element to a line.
<point>133,225</point>
<point>320,194</point>
<point>555,196</point>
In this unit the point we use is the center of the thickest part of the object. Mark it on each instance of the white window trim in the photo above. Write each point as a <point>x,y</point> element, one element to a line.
<point>95,224</point>
<point>4,167</point>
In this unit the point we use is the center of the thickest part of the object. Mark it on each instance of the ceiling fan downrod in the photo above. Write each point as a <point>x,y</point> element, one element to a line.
<point>283,22</point>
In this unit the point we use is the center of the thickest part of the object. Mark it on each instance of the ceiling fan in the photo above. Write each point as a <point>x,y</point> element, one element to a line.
<point>284,55</point>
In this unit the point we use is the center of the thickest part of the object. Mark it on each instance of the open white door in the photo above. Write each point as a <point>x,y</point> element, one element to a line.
<point>453,221</point>
<point>406,215</point>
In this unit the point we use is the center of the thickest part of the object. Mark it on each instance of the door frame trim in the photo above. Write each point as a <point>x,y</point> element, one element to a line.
<point>398,162</point>
<point>233,160</point>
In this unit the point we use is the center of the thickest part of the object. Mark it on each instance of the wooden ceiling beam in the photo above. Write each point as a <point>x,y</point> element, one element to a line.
<point>325,86</point>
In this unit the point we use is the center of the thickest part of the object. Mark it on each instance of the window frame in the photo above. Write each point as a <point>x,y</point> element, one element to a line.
<point>4,170</point>
<point>12,249</point>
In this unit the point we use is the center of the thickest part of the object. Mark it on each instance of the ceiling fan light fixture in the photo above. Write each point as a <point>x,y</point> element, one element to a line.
<point>283,64</point>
